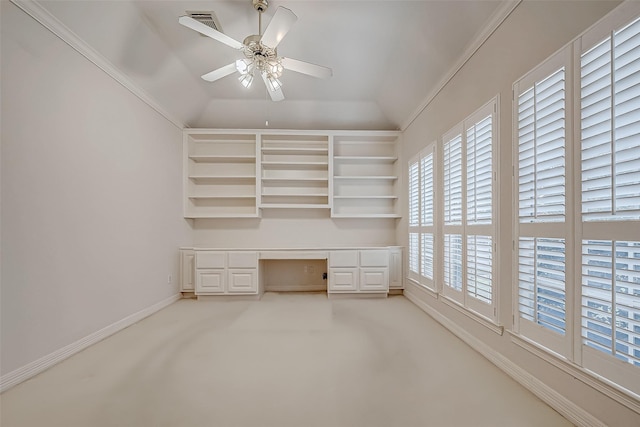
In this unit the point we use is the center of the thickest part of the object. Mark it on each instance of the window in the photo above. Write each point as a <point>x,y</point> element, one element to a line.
<point>540,170</point>
<point>421,218</point>
<point>468,212</point>
<point>414,219</point>
<point>610,204</point>
<point>427,230</point>
<point>602,180</point>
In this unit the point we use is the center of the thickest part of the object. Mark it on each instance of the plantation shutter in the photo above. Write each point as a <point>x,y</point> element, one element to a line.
<point>479,172</point>
<point>479,271</point>
<point>426,217</point>
<point>610,173</point>
<point>414,253</point>
<point>610,108</point>
<point>414,195</point>
<point>453,180</point>
<point>426,190</point>
<point>453,261</point>
<point>427,255</point>
<point>541,150</point>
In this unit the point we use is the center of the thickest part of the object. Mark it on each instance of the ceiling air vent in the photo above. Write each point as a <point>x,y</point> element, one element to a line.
<point>207,18</point>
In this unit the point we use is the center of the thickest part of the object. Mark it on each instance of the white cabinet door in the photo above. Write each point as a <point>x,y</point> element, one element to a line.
<point>374,279</point>
<point>343,280</point>
<point>395,268</point>
<point>242,281</point>
<point>187,271</point>
<point>210,281</point>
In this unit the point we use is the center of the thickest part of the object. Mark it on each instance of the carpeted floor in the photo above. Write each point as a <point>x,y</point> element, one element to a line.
<point>287,360</point>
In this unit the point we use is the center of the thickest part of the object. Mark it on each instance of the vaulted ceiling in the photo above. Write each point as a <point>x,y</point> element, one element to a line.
<point>387,57</point>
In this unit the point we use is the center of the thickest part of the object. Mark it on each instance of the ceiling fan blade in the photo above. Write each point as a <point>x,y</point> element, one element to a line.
<point>307,68</point>
<point>276,95</point>
<point>278,27</point>
<point>220,73</point>
<point>198,26</point>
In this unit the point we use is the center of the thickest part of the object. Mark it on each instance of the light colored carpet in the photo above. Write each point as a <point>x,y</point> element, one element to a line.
<point>286,360</point>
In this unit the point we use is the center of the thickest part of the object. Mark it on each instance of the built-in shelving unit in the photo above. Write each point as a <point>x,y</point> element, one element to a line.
<point>295,171</point>
<point>220,175</point>
<point>240,173</point>
<point>365,176</point>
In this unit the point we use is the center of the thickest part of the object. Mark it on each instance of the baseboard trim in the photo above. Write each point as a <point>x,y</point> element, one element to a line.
<point>30,370</point>
<point>557,401</point>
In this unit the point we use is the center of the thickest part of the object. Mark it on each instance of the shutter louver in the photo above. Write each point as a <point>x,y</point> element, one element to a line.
<point>414,251</point>
<point>479,172</point>
<point>610,122</point>
<point>541,282</point>
<point>414,195</point>
<point>453,181</point>
<point>611,298</point>
<point>427,255</point>
<point>479,255</point>
<point>453,261</point>
<point>426,182</point>
<point>541,160</point>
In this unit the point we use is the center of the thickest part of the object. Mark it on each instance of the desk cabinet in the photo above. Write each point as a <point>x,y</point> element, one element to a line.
<point>359,271</point>
<point>222,272</point>
<point>237,272</point>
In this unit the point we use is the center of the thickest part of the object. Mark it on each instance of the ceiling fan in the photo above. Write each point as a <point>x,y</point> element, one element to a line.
<point>260,51</point>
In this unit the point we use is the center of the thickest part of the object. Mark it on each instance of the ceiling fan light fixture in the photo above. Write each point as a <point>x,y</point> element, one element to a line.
<point>246,80</point>
<point>275,68</point>
<point>273,83</point>
<point>242,65</point>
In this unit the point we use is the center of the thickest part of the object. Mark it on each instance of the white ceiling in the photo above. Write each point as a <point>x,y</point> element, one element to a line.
<point>387,57</point>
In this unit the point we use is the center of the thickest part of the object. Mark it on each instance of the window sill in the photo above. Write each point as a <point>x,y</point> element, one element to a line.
<point>487,323</point>
<point>612,390</point>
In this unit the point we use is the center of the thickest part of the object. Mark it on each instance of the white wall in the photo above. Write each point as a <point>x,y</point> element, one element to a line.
<point>534,31</point>
<point>91,196</point>
<point>284,228</point>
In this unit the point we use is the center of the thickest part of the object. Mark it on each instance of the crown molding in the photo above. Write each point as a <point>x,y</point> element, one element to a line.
<point>34,9</point>
<point>498,17</point>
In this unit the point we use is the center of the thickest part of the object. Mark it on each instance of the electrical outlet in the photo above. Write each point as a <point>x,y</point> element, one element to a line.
<point>169,279</point>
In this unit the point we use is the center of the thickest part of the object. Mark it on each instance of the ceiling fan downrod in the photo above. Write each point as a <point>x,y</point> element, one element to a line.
<point>260,6</point>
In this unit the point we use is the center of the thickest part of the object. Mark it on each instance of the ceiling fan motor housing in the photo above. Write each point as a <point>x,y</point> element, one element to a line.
<point>260,5</point>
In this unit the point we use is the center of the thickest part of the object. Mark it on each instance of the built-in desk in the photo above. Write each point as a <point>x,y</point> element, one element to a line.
<point>250,272</point>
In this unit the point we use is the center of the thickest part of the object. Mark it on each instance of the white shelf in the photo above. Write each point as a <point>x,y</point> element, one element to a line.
<point>222,177</point>
<point>220,174</point>
<point>364,215</point>
<point>216,215</point>
<point>222,197</point>
<point>381,159</point>
<point>294,206</point>
<point>294,165</point>
<point>366,197</point>
<point>365,169</point>
<point>371,177</point>
<point>222,159</point>
<point>294,150</point>
<point>301,179</point>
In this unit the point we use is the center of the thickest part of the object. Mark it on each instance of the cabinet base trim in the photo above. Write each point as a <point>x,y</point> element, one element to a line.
<point>34,368</point>
<point>352,295</point>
